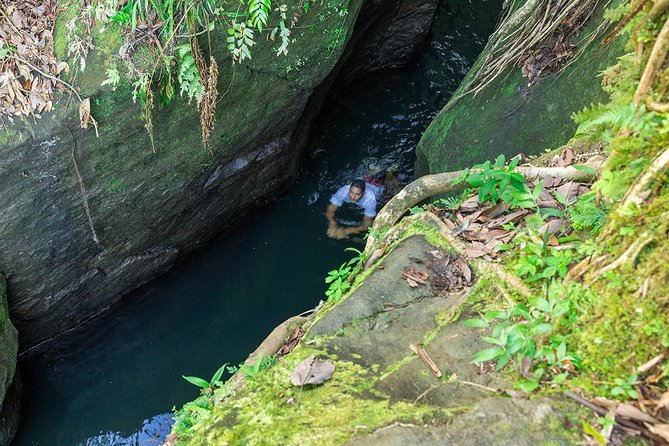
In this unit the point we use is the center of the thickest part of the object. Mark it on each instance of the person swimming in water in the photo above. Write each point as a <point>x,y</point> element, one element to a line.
<point>360,192</point>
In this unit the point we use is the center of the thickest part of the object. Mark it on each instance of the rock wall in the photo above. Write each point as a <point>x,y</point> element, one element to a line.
<point>9,377</point>
<point>149,209</point>
<point>510,116</point>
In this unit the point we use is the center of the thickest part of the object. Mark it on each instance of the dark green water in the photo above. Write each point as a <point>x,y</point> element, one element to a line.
<point>114,380</point>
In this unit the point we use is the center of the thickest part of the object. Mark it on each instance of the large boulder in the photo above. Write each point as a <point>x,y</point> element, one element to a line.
<point>9,377</point>
<point>85,219</point>
<point>515,114</point>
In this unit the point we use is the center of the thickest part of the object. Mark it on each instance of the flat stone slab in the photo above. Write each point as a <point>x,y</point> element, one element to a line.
<point>384,287</point>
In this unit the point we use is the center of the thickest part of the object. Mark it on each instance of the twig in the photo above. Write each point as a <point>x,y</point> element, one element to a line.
<point>84,194</point>
<point>480,386</point>
<point>650,364</point>
<point>420,351</point>
<point>424,394</point>
<point>47,75</point>
<point>621,421</point>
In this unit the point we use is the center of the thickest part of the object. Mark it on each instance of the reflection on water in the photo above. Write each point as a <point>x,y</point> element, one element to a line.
<point>153,432</point>
<point>96,385</point>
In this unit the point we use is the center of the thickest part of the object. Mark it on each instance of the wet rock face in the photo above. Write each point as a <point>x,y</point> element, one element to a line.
<point>85,219</point>
<point>396,31</point>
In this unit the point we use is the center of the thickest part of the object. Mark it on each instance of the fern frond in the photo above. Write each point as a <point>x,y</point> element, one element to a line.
<point>259,12</point>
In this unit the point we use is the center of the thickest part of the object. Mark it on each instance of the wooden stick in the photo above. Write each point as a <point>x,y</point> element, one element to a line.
<point>422,354</point>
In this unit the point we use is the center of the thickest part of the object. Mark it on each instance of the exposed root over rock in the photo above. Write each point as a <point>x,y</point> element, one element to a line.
<point>431,185</point>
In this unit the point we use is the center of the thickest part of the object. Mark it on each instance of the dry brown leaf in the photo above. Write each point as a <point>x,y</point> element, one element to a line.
<point>568,156</point>
<point>664,401</point>
<point>552,226</point>
<point>569,191</point>
<point>312,371</point>
<point>85,113</point>
<point>473,253</point>
<point>464,269</point>
<point>633,413</point>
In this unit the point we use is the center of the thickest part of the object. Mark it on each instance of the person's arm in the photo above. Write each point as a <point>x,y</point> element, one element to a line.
<point>330,213</point>
<point>366,223</point>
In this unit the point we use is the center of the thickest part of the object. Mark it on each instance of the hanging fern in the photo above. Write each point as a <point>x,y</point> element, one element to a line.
<point>259,12</point>
<point>188,75</point>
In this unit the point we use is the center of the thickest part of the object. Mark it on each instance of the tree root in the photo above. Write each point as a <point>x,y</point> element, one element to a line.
<point>659,165</point>
<point>630,255</point>
<point>654,64</point>
<point>431,185</point>
<point>656,106</point>
<point>84,194</point>
<point>272,343</point>
<point>612,35</point>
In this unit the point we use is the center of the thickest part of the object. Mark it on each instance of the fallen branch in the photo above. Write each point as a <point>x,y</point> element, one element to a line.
<point>431,185</point>
<point>655,61</point>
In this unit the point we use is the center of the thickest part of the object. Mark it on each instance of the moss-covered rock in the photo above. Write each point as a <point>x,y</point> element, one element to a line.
<point>85,219</point>
<point>509,116</point>
<point>9,384</point>
<point>381,392</point>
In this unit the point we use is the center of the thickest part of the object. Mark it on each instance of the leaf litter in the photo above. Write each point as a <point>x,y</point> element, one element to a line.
<point>26,49</point>
<point>487,227</point>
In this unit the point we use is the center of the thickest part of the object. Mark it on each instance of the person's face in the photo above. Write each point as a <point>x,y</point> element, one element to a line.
<point>354,194</point>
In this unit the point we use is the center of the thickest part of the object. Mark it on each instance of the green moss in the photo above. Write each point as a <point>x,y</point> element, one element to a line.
<point>266,410</point>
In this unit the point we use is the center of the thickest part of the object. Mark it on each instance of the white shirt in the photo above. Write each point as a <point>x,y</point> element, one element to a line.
<point>367,201</point>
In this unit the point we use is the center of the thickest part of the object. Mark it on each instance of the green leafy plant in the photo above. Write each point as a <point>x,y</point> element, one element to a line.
<point>259,12</point>
<point>625,387</point>
<point>526,336</point>
<point>261,364</point>
<point>588,214</point>
<point>240,40</point>
<point>203,384</point>
<point>492,180</point>
<point>340,279</point>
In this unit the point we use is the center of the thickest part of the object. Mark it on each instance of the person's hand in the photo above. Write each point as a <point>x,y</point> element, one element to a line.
<point>337,233</point>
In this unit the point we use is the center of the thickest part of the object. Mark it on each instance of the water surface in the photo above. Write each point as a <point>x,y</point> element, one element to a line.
<point>114,380</point>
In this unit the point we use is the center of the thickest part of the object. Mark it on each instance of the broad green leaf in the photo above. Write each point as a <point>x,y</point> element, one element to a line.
<point>594,433</point>
<point>201,383</point>
<point>488,354</point>
<point>586,169</point>
<point>477,323</point>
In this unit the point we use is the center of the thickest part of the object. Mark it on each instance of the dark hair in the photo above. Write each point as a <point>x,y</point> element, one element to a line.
<point>360,184</point>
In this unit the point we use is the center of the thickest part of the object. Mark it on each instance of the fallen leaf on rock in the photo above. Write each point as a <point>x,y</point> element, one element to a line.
<point>473,253</point>
<point>414,277</point>
<point>568,156</point>
<point>464,269</point>
<point>312,371</point>
<point>376,255</point>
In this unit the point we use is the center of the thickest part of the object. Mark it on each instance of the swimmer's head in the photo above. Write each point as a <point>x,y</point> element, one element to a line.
<point>356,190</point>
